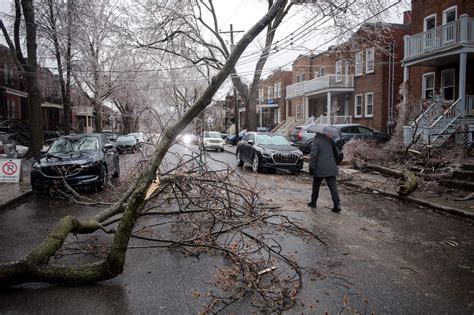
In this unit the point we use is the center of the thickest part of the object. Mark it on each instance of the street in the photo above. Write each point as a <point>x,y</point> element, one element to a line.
<point>382,255</point>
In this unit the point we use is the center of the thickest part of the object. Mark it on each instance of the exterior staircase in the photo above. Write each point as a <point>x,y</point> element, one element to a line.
<point>436,124</point>
<point>463,178</point>
<point>18,129</point>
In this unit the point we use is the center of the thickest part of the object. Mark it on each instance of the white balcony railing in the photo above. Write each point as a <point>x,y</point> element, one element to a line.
<point>319,84</point>
<point>442,37</point>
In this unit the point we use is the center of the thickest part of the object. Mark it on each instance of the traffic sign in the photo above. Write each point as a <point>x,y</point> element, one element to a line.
<point>10,170</point>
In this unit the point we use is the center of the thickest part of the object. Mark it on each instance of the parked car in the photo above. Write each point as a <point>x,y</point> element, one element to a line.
<point>141,137</point>
<point>212,140</point>
<point>127,143</point>
<point>110,135</point>
<point>264,129</point>
<point>265,150</point>
<point>9,148</point>
<point>85,160</point>
<point>303,139</point>
<point>231,139</point>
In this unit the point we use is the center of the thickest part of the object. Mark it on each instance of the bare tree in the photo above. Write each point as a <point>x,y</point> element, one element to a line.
<point>56,20</point>
<point>29,66</point>
<point>97,42</point>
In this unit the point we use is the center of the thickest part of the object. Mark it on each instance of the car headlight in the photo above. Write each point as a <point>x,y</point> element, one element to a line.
<point>36,166</point>
<point>267,153</point>
<point>89,164</point>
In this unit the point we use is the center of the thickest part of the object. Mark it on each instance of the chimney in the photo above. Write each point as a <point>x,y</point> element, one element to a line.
<point>407,17</point>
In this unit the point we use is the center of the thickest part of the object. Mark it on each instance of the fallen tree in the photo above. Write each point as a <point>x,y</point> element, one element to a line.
<point>35,266</point>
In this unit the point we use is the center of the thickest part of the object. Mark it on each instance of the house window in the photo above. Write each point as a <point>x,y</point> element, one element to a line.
<point>279,89</point>
<point>359,62</point>
<point>429,36</point>
<point>339,71</point>
<point>447,84</point>
<point>322,71</point>
<point>369,104</point>
<point>269,92</point>
<point>300,77</point>
<point>275,90</point>
<point>428,83</point>
<point>449,31</point>
<point>449,15</point>
<point>370,56</point>
<point>358,105</point>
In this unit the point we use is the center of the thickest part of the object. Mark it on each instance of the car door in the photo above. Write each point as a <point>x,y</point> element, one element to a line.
<point>245,148</point>
<point>110,154</point>
<point>366,133</point>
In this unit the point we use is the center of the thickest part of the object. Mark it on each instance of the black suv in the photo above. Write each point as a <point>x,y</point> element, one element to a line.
<point>303,139</point>
<point>266,150</point>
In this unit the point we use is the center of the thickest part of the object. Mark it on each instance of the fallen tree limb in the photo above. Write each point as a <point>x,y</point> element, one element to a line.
<point>421,202</point>
<point>408,179</point>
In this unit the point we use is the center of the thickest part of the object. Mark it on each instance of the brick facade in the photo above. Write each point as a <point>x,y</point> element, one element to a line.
<point>380,85</point>
<point>276,84</point>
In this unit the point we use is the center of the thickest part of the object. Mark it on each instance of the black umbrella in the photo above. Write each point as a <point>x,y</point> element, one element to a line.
<point>329,131</point>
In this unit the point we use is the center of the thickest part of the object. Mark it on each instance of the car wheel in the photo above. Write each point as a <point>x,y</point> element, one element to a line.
<point>308,148</point>
<point>240,162</point>
<point>102,177</point>
<point>116,174</point>
<point>255,163</point>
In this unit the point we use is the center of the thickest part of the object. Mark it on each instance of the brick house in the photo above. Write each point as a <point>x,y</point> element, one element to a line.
<point>353,82</point>
<point>271,105</point>
<point>439,68</point>
<point>13,95</point>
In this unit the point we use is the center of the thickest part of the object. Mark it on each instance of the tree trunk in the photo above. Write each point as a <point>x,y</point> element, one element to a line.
<point>34,97</point>
<point>127,122</point>
<point>62,83</point>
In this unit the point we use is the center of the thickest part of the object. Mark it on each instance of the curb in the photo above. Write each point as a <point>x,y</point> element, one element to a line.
<point>438,208</point>
<point>16,200</point>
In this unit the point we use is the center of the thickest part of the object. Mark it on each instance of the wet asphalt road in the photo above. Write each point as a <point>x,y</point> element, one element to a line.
<point>382,256</point>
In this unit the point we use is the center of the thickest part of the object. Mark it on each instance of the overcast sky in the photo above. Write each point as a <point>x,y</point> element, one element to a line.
<point>243,14</point>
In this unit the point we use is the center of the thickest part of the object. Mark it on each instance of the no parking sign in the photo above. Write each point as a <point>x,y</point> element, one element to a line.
<point>10,170</point>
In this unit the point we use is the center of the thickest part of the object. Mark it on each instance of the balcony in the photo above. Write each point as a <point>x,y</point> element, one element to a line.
<point>319,85</point>
<point>440,39</point>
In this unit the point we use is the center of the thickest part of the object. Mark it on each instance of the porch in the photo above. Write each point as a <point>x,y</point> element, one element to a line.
<point>441,40</point>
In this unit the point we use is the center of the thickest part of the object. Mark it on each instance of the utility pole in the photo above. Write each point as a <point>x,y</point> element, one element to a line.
<point>236,104</point>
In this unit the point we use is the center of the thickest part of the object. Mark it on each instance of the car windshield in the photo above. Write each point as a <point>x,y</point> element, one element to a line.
<point>126,140</point>
<point>212,134</point>
<point>74,144</point>
<point>271,139</point>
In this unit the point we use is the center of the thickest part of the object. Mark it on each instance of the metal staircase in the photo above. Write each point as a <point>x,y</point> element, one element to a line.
<point>436,124</point>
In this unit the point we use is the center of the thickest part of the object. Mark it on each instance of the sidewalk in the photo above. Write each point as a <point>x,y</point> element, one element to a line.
<point>11,193</point>
<point>436,198</point>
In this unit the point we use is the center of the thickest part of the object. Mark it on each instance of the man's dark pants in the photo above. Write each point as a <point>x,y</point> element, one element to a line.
<point>331,182</point>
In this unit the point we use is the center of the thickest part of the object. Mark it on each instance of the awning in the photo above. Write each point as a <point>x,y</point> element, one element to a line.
<point>15,92</point>
<point>51,105</point>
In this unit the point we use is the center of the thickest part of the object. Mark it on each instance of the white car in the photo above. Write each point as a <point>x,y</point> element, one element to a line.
<point>141,137</point>
<point>212,140</point>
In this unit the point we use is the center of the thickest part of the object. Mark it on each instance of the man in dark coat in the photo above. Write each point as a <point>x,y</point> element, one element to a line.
<point>324,166</point>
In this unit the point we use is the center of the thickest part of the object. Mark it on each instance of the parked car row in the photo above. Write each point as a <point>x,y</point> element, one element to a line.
<point>302,136</point>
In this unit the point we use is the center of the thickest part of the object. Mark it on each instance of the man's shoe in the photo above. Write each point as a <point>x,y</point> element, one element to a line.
<point>336,209</point>
<point>312,204</point>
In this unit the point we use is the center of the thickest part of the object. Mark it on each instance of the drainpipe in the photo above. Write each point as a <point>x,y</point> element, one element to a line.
<point>329,108</point>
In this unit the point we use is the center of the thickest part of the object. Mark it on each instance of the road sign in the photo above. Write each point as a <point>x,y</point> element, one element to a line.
<point>10,170</point>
